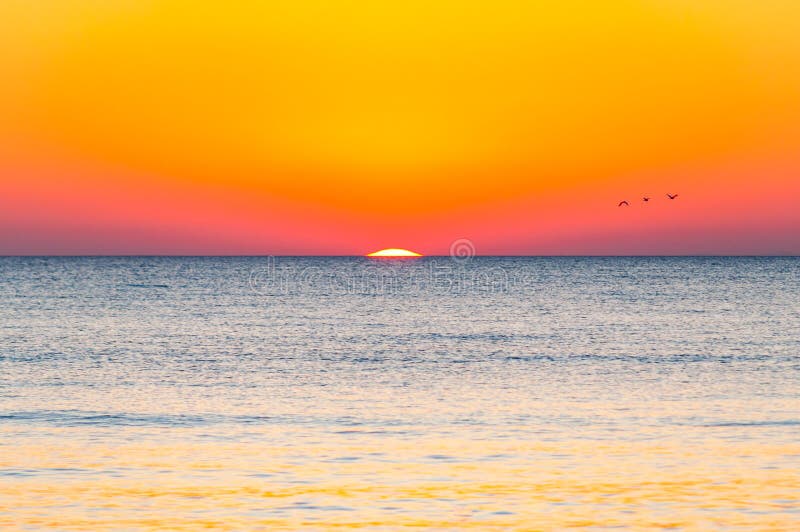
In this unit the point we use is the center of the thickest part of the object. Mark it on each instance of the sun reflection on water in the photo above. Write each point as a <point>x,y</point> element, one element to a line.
<point>205,405</point>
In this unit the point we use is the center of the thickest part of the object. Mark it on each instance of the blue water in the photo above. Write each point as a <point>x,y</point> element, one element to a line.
<point>341,372</point>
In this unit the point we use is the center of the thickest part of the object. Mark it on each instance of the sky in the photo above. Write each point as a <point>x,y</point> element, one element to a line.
<point>341,127</point>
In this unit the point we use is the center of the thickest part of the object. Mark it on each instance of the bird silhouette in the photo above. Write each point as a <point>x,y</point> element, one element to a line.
<point>623,202</point>
<point>645,198</point>
<point>672,196</point>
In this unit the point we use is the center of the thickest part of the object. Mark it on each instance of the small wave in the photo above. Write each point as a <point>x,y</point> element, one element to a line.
<point>82,418</point>
<point>779,423</point>
<point>72,418</point>
<point>529,358</point>
<point>139,285</point>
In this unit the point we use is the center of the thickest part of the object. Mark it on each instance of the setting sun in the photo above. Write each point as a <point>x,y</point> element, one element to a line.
<point>394,253</point>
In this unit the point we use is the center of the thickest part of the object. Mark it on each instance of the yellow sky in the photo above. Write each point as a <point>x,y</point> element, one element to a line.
<point>356,110</point>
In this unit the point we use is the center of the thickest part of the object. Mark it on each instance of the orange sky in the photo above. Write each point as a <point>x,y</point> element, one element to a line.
<point>341,127</point>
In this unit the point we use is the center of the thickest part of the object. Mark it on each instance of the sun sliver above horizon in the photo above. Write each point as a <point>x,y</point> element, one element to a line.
<point>394,253</point>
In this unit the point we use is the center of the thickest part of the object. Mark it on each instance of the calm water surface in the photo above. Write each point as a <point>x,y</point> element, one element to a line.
<point>313,393</point>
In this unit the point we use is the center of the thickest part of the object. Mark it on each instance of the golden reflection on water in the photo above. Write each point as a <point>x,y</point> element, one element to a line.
<point>181,479</point>
<point>165,394</point>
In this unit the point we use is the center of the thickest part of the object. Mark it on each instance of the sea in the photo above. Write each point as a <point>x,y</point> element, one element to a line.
<point>325,393</point>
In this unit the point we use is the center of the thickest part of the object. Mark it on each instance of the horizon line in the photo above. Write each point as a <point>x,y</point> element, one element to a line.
<point>266,255</point>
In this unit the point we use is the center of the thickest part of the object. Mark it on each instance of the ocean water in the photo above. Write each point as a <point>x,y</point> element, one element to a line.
<point>322,393</point>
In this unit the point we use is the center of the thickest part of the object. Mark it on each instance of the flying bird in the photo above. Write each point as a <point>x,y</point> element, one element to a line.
<point>645,198</point>
<point>672,196</point>
<point>623,202</point>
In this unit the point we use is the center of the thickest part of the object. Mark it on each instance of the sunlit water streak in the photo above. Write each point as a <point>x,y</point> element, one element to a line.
<point>494,393</point>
